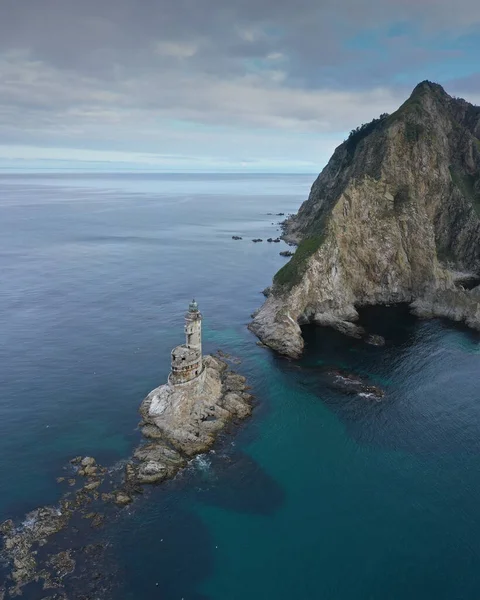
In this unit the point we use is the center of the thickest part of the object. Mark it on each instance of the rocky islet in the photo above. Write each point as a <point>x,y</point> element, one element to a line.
<point>193,414</point>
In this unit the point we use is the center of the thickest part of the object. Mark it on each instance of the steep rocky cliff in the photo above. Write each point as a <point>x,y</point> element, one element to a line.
<point>393,217</point>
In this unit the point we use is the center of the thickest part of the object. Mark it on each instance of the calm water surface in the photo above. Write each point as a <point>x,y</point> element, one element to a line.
<point>320,494</point>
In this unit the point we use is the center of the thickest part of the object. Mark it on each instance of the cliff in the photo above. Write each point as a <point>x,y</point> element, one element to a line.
<point>393,217</point>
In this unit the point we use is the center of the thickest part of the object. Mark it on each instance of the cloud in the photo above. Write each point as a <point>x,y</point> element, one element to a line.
<point>175,49</point>
<point>136,75</point>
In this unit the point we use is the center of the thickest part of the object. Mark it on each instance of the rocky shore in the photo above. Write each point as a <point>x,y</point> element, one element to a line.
<point>178,422</point>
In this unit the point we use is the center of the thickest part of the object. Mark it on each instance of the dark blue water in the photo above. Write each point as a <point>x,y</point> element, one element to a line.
<point>320,494</point>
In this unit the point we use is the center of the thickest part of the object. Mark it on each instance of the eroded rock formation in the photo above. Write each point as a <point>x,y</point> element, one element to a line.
<point>183,420</point>
<point>393,217</point>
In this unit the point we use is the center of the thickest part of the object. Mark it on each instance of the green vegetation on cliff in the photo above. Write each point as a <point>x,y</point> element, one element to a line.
<point>292,272</point>
<point>362,131</point>
<point>466,184</point>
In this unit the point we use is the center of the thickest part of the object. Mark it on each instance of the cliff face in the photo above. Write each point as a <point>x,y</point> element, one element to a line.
<point>394,216</point>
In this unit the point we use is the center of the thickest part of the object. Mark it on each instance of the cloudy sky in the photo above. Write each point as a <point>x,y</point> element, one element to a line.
<point>257,85</point>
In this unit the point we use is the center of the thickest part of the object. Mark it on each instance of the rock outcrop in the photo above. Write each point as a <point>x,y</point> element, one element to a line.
<point>182,420</point>
<point>393,217</point>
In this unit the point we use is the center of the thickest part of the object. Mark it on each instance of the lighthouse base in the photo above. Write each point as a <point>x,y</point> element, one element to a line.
<point>189,415</point>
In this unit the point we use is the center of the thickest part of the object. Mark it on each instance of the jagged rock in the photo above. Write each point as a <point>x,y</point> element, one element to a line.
<point>88,461</point>
<point>122,499</point>
<point>267,291</point>
<point>457,305</point>
<point>212,362</point>
<point>234,382</point>
<point>97,520</point>
<point>156,463</point>
<point>19,543</point>
<point>152,472</point>
<point>237,405</point>
<point>90,487</point>
<point>130,475</point>
<point>62,563</point>
<point>236,237</point>
<point>391,218</point>
<point>256,240</point>
<point>7,527</point>
<point>286,253</point>
<point>151,431</point>
<point>188,417</point>
<point>60,479</point>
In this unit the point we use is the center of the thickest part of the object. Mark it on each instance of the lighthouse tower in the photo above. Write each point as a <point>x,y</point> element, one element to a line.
<point>193,327</point>
<point>187,361</point>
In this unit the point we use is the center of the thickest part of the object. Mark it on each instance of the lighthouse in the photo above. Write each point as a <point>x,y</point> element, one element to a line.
<point>187,359</point>
<point>193,328</point>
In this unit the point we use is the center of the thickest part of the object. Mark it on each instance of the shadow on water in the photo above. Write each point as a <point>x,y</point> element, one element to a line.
<point>181,550</point>
<point>238,483</point>
<point>429,377</point>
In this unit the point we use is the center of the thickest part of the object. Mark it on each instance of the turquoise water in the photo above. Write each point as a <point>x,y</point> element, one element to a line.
<point>320,494</point>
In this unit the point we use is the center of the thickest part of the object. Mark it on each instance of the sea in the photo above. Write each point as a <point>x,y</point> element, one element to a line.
<point>320,494</point>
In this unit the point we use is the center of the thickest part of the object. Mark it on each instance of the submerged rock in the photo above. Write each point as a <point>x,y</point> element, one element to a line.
<point>62,563</point>
<point>375,340</point>
<point>354,385</point>
<point>92,486</point>
<point>122,499</point>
